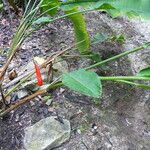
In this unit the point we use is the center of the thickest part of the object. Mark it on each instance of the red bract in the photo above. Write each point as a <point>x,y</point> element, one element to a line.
<point>38,74</point>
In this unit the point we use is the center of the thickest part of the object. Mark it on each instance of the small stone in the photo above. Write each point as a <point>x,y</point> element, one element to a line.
<point>22,94</point>
<point>17,118</point>
<point>32,103</point>
<point>51,109</point>
<point>14,97</point>
<point>49,102</point>
<point>36,51</point>
<point>45,111</point>
<point>46,134</point>
<point>78,131</point>
<point>62,90</point>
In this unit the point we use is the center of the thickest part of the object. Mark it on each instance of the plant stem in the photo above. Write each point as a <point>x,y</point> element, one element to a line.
<point>145,45</point>
<point>113,78</point>
<point>54,86</point>
<point>3,97</point>
<point>70,14</point>
<point>147,87</point>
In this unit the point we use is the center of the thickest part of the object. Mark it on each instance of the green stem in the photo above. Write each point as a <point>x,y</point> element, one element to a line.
<point>54,86</point>
<point>114,78</point>
<point>147,87</point>
<point>147,44</point>
<point>67,15</point>
<point>46,12</point>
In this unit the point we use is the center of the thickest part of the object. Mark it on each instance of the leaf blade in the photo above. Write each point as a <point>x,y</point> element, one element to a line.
<point>144,72</point>
<point>85,82</point>
<point>47,4</point>
<point>80,30</point>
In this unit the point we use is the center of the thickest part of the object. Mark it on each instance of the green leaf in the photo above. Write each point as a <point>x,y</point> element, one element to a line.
<point>145,72</point>
<point>131,14</point>
<point>114,7</point>
<point>42,20</point>
<point>99,37</point>
<point>71,4</point>
<point>80,30</point>
<point>119,38</point>
<point>146,87</point>
<point>94,56</point>
<point>48,4</point>
<point>85,82</point>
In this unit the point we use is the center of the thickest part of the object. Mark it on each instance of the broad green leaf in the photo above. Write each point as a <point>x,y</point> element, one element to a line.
<point>85,82</point>
<point>80,30</point>
<point>71,4</point>
<point>114,7</point>
<point>42,20</point>
<point>145,72</point>
<point>49,4</point>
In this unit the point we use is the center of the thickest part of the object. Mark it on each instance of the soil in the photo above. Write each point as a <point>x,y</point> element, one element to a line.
<point>120,120</point>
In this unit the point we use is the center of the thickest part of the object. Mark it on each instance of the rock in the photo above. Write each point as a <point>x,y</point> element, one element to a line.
<point>60,67</point>
<point>46,134</point>
<point>49,101</point>
<point>22,93</point>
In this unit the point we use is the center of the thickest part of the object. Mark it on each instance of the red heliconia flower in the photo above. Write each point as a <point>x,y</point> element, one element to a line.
<point>38,74</point>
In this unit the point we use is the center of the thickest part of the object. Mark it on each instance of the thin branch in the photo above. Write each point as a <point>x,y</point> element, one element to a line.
<point>21,102</point>
<point>29,98</point>
<point>3,97</point>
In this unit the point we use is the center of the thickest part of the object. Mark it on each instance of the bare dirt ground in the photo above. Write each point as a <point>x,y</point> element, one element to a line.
<point>120,121</point>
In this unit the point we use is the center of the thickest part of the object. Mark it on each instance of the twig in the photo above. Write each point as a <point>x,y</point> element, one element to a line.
<point>4,68</point>
<point>3,97</point>
<point>18,79</point>
<point>29,98</point>
<point>85,145</point>
<point>21,102</point>
<point>17,85</point>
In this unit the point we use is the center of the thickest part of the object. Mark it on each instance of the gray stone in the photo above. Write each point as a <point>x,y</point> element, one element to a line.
<point>46,134</point>
<point>22,93</point>
<point>49,101</point>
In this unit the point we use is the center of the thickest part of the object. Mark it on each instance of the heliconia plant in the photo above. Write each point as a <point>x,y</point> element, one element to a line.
<point>83,80</point>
